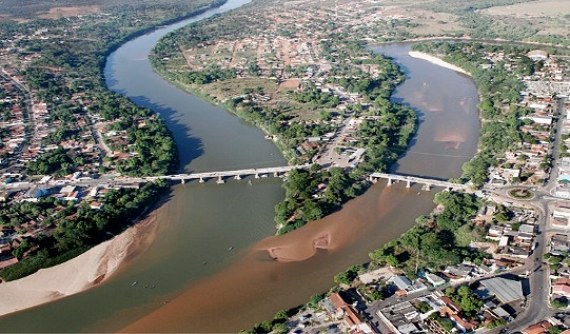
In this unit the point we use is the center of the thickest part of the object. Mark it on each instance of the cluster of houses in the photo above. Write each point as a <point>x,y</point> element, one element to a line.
<point>563,162</point>
<point>333,314</point>
<point>529,162</point>
<point>7,259</point>
<point>500,298</point>
<point>347,318</point>
<point>24,138</point>
<point>295,61</point>
<point>12,121</point>
<point>559,323</point>
<point>515,240</point>
<point>284,40</point>
<point>12,236</point>
<point>266,54</point>
<point>420,305</point>
<point>558,249</point>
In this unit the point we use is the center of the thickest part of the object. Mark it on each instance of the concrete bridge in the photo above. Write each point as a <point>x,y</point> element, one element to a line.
<point>220,176</point>
<point>426,182</point>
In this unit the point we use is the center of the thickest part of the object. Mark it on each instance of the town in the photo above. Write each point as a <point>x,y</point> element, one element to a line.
<point>326,103</point>
<point>521,226</point>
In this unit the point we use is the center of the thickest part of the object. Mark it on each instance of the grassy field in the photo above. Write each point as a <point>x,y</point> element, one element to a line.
<point>540,8</point>
<point>510,19</point>
<point>551,17</point>
<point>236,87</point>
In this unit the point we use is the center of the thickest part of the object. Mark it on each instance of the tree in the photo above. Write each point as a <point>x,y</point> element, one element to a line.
<point>347,276</point>
<point>560,303</point>
<point>423,307</point>
<point>392,260</point>
<point>466,299</point>
<point>263,327</point>
<point>280,328</point>
<point>281,315</point>
<point>315,300</point>
<point>555,330</point>
<point>500,322</point>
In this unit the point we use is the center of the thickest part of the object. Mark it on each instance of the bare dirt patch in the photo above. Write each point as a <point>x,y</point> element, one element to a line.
<point>289,84</point>
<point>541,8</point>
<point>222,90</point>
<point>428,22</point>
<point>59,12</point>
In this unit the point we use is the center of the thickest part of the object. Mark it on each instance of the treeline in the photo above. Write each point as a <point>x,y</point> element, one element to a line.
<point>59,162</point>
<point>315,193</point>
<point>301,205</point>
<point>313,95</point>
<point>77,227</point>
<point>210,74</point>
<point>155,148</point>
<point>436,241</point>
<point>387,137</point>
<point>79,71</point>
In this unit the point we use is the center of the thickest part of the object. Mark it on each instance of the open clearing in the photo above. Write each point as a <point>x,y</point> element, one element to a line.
<point>539,8</point>
<point>59,12</point>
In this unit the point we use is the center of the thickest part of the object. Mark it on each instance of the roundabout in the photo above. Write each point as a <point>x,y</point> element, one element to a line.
<point>521,194</point>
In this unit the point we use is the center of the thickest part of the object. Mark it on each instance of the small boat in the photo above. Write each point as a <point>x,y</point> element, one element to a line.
<point>134,283</point>
<point>231,247</point>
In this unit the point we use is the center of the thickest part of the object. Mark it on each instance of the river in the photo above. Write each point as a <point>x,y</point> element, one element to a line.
<point>208,269</point>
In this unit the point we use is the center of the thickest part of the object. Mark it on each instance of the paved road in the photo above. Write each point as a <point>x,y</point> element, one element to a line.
<point>537,303</point>
<point>555,147</point>
<point>537,306</point>
<point>373,308</point>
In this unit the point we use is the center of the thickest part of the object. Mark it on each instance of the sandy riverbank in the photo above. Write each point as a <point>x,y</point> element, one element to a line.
<point>437,61</point>
<point>76,275</point>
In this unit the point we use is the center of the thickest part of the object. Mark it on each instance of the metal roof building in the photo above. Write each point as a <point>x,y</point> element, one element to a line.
<point>506,290</point>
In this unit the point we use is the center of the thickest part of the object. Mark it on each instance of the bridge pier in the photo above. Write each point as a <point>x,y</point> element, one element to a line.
<point>257,175</point>
<point>427,187</point>
<point>408,184</point>
<point>201,180</point>
<point>220,180</point>
<point>237,177</point>
<point>275,174</point>
<point>389,184</point>
<point>182,181</point>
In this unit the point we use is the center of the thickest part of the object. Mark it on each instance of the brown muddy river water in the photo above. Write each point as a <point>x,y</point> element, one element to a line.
<point>208,268</point>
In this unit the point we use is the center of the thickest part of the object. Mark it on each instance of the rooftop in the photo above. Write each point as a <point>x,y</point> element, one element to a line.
<point>506,290</point>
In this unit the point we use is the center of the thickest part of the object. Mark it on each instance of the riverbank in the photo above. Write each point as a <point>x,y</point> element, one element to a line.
<point>98,263</point>
<point>437,61</point>
<point>76,275</point>
<point>287,153</point>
